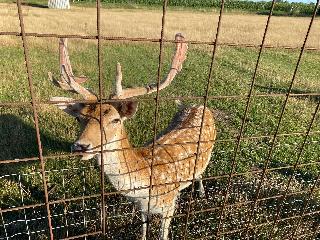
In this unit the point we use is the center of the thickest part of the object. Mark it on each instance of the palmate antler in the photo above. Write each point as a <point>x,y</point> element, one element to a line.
<point>176,66</point>
<point>67,80</point>
<point>71,83</point>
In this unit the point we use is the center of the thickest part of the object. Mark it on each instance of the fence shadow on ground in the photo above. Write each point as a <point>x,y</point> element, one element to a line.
<point>271,90</point>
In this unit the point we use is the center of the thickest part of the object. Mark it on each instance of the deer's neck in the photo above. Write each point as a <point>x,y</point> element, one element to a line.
<point>113,156</point>
<point>121,160</point>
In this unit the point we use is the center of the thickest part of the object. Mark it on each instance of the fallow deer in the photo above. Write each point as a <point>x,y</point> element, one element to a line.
<point>173,158</point>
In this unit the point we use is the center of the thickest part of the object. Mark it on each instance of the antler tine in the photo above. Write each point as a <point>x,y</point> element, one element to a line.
<point>176,66</point>
<point>118,80</point>
<point>67,80</point>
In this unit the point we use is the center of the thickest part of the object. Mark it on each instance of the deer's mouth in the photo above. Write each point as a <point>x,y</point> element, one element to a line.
<point>86,150</point>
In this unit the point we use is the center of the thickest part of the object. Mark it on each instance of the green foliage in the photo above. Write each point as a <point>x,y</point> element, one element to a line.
<point>262,7</point>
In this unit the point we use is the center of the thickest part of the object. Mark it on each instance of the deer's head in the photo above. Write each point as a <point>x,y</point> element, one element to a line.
<point>91,115</point>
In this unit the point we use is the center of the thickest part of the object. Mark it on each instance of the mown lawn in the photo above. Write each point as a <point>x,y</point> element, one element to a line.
<point>21,183</point>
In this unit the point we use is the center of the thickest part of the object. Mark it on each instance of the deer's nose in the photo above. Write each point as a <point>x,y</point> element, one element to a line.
<point>79,147</point>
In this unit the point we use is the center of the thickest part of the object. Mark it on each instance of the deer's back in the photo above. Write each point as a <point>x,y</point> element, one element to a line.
<point>175,152</point>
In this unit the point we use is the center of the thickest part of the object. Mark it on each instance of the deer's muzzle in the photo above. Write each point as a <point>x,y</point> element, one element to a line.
<point>78,147</point>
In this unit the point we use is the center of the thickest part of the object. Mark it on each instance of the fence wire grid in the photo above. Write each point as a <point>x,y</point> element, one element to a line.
<point>265,202</point>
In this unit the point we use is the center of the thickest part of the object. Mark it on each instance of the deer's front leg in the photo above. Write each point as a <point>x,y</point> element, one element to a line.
<point>201,190</point>
<point>165,222</point>
<point>144,225</point>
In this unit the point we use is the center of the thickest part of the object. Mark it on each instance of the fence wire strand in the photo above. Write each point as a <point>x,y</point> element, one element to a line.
<point>234,161</point>
<point>249,138</point>
<point>156,111</point>
<point>208,85</point>
<point>101,96</point>
<point>35,114</point>
<point>165,98</point>
<point>153,40</point>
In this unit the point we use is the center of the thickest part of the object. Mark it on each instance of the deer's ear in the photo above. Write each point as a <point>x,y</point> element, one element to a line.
<point>127,109</point>
<point>68,106</point>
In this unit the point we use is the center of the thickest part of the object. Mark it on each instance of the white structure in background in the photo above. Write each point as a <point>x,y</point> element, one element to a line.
<point>60,4</point>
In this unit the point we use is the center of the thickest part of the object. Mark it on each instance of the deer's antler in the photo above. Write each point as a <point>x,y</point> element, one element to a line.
<point>67,80</point>
<point>176,66</point>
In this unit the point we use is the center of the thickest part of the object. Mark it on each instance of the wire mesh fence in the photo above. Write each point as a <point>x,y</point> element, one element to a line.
<point>61,197</point>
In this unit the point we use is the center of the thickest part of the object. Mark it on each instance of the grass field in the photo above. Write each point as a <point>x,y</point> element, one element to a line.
<point>236,27</point>
<point>21,183</point>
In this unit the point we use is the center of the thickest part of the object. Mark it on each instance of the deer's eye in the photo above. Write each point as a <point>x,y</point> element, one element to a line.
<point>78,119</point>
<point>117,120</point>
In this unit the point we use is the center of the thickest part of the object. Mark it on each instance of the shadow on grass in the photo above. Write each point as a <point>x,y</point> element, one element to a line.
<point>271,90</point>
<point>18,141</point>
<point>35,5</point>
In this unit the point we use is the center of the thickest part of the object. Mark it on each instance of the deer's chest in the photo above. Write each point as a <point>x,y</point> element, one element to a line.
<point>123,178</point>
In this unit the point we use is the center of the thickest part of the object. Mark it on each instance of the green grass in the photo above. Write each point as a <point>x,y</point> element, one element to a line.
<point>21,183</point>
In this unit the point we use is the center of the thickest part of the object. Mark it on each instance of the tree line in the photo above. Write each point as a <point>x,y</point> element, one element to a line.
<point>263,7</point>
